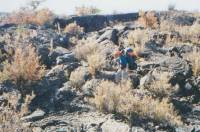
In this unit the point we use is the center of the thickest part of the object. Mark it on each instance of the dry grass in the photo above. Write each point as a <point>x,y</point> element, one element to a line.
<point>148,20</point>
<point>73,29</point>
<point>96,62</point>
<point>167,26</point>
<point>25,66</point>
<point>162,111</point>
<point>190,33</point>
<point>89,51</point>
<point>25,106</point>
<point>85,48</point>
<point>42,16</point>
<point>38,17</point>
<point>138,38</point>
<point>10,119</point>
<point>111,97</point>
<point>187,33</point>
<point>194,58</point>
<point>161,86</point>
<point>82,11</point>
<point>77,77</point>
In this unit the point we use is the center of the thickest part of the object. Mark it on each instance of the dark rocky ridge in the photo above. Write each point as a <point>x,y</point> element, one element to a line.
<point>96,22</point>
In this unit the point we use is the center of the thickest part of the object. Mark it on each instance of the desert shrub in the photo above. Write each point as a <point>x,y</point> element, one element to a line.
<point>73,29</point>
<point>138,38</point>
<point>77,77</point>
<point>85,48</point>
<point>82,11</point>
<point>120,98</point>
<point>162,111</point>
<point>10,117</point>
<point>38,17</point>
<point>96,62</point>
<point>108,95</point>
<point>10,121</point>
<point>194,58</point>
<point>187,33</point>
<point>148,20</point>
<point>161,86</point>
<point>41,17</point>
<point>167,26</point>
<point>190,33</point>
<point>25,67</point>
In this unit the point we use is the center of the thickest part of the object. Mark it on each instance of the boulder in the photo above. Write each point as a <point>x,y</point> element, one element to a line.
<point>179,68</point>
<point>55,53</point>
<point>66,58</point>
<point>114,126</point>
<point>137,129</point>
<point>147,79</point>
<point>184,20</point>
<point>43,51</point>
<point>45,89</point>
<point>36,115</point>
<point>110,35</point>
<point>65,93</point>
<point>134,79</point>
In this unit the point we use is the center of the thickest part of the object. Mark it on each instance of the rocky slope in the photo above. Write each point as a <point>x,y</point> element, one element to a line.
<point>59,106</point>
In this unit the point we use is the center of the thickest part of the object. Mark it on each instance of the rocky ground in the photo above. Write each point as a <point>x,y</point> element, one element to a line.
<point>59,106</point>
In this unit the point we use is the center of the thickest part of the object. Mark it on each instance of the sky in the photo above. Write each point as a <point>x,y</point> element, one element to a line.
<point>67,7</point>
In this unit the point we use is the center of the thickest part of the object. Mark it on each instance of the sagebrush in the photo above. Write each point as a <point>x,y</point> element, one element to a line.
<point>25,66</point>
<point>121,98</point>
<point>148,19</point>
<point>73,28</point>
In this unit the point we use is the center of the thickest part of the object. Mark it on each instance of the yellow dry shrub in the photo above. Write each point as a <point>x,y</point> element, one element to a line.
<point>162,111</point>
<point>73,28</point>
<point>24,67</point>
<point>187,33</point>
<point>138,38</point>
<point>10,119</point>
<point>85,48</point>
<point>42,16</point>
<point>194,58</point>
<point>108,96</point>
<point>190,33</point>
<point>96,61</point>
<point>38,17</point>
<point>148,20</point>
<point>161,86</point>
<point>167,26</point>
<point>120,98</point>
<point>77,77</point>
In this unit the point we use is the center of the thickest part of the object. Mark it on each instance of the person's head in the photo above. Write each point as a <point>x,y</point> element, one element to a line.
<point>129,50</point>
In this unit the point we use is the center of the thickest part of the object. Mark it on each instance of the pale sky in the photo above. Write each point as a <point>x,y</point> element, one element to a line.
<point>106,6</point>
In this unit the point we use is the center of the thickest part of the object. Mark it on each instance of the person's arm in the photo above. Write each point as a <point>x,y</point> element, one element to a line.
<point>117,54</point>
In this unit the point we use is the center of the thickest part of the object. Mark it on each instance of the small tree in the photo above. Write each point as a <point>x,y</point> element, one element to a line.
<point>83,11</point>
<point>34,4</point>
<point>171,7</point>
